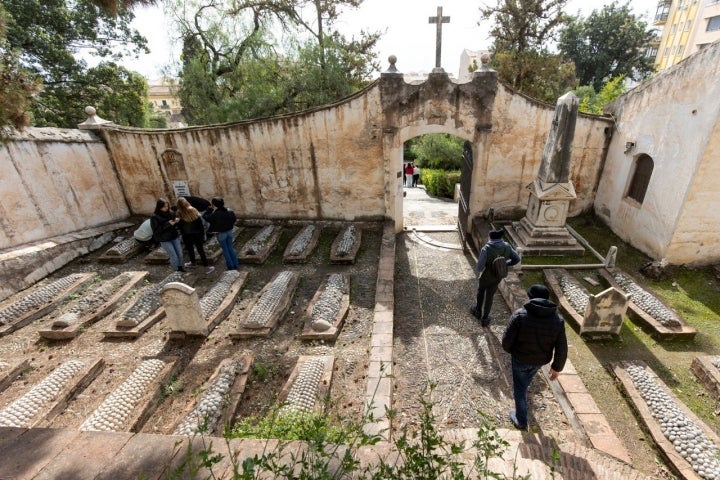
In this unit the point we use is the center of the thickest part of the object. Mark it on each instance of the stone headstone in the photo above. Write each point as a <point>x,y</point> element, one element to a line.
<point>611,257</point>
<point>604,312</point>
<point>182,308</point>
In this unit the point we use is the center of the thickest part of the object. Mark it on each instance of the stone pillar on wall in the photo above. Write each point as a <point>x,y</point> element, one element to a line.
<point>542,231</point>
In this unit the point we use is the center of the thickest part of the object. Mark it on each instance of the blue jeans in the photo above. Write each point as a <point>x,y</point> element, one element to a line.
<point>174,251</point>
<point>225,239</point>
<point>522,376</point>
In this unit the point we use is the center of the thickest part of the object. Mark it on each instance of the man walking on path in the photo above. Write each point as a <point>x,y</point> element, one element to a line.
<point>534,336</point>
<point>488,280</point>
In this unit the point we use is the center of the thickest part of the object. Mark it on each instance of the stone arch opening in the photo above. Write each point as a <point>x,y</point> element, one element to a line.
<point>640,178</point>
<point>453,147</point>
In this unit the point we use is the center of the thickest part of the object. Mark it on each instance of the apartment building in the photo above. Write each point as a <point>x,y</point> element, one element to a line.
<point>687,26</point>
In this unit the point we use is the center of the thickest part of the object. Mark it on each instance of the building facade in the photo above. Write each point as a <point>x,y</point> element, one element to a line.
<point>686,27</point>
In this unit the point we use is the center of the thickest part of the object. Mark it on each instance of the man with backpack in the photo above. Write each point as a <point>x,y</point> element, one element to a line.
<point>494,259</point>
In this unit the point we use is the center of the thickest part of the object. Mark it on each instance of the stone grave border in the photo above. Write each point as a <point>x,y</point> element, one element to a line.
<point>266,250</point>
<point>46,307</point>
<point>323,384</point>
<point>157,257</point>
<point>578,319</point>
<point>681,465</point>
<point>233,396</point>
<point>278,313</point>
<point>641,318</point>
<point>107,257</point>
<point>150,399</point>
<point>8,376</point>
<point>303,256</point>
<point>221,312</point>
<point>332,333</point>
<point>139,329</point>
<point>708,374</point>
<point>77,383</point>
<point>350,257</point>
<point>71,331</point>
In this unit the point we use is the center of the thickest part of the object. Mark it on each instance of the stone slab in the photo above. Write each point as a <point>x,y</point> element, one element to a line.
<point>223,309</point>
<point>11,371</point>
<point>46,443</point>
<point>64,333</point>
<point>79,382</point>
<point>656,329</point>
<point>278,313</point>
<point>48,306</point>
<point>636,400</point>
<point>110,257</point>
<point>331,334</point>
<point>233,396</point>
<point>259,257</point>
<point>707,373</point>
<point>84,458</point>
<point>303,256</point>
<point>139,329</point>
<point>323,384</point>
<point>142,456</point>
<point>352,253</point>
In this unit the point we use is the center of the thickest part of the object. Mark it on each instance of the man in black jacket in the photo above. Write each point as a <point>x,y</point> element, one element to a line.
<point>534,336</point>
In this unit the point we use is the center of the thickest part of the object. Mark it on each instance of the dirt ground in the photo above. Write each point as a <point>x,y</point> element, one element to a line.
<point>274,356</point>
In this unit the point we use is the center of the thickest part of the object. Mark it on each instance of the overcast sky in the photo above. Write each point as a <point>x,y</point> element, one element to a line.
<point>407,33</point>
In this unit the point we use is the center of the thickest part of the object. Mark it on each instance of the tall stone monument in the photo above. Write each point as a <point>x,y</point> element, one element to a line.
<point>542,231</point>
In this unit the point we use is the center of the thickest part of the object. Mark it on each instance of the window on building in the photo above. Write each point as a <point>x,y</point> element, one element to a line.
<point>666,52</point>
<point>713,23</point>
<point>687,25</point>
<point>651,52</point>
<point>640,178</point>
<point>680,49</point>
<point>165,104</point>
<point>672,29</point>
<point>663,9</point>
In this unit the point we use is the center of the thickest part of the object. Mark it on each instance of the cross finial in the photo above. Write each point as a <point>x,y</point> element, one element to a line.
<point>439,20</point>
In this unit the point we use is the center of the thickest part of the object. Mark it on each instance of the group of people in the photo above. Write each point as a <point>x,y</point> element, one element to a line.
<point>535,334</point>
<point>192,219</point>
<point>411,174</point>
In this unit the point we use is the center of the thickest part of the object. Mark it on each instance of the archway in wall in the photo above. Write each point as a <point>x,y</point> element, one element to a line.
<point>430,199</point>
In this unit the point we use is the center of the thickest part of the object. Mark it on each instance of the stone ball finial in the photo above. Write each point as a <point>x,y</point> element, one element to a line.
<point>392,59</point>
<point>90,111</point>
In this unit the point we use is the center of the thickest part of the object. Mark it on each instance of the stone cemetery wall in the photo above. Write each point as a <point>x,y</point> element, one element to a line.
<point>320,164</point>
<point>56,181</point>
<point>678,219</point>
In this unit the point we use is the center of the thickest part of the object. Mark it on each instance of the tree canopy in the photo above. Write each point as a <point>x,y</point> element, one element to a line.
<point>609,43</point>
<point>48,38</point>
<point>233,68</point>
<point>521,32</point>
<point>440,151</point>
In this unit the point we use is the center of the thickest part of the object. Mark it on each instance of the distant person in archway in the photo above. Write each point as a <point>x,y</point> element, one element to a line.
<point>416,175</point>
<point>488,280</point>
<point>408,174</point>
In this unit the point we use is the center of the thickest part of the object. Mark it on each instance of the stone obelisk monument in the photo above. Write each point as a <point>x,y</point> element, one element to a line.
<point>543,231</point>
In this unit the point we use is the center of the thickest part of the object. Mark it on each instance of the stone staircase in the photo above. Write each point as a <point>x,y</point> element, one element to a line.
<point>539,456</point>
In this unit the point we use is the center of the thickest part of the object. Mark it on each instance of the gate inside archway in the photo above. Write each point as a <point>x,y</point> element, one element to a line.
<point>466,169</point>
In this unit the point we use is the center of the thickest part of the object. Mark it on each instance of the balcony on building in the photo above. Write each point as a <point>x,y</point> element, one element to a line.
<point>662,12</point>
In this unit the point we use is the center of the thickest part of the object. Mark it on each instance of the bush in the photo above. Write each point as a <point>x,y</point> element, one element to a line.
<point>440,183</point>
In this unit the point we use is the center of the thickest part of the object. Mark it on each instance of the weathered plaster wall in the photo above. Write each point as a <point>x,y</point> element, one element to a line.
<point>55,181</point>
<point>321,164</point>
<point>509,159</point>
<point>672,118</point>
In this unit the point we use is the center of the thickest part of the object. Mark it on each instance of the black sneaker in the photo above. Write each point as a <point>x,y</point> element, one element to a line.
<point>515,423</point>
<point>474,312</point>
<point>485,322</point>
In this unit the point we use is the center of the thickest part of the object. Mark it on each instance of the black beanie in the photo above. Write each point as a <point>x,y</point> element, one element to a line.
<point>538,291</point>
<point>496,234</point>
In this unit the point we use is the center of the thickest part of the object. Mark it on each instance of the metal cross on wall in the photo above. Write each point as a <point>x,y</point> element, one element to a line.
<point>439,20</point>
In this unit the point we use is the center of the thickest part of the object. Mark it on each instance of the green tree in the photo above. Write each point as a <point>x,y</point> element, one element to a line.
<point>17,87</point>
<point>521,32</point>
<point>233,69</point>
<point>592,102</point>
<point>50,35</point>
<point>608,43</point>
<point>438,151</point>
